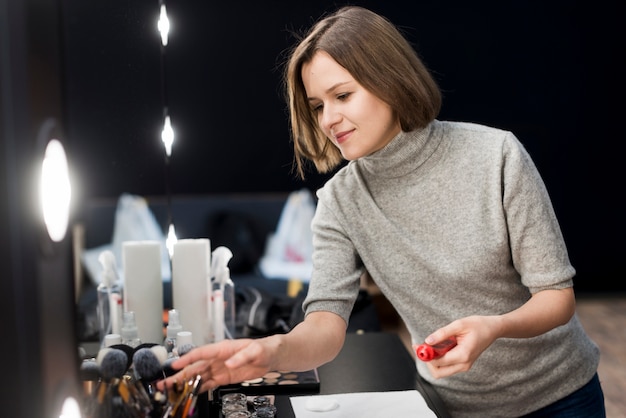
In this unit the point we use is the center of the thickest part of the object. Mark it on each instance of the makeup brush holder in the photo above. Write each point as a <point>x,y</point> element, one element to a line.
<point>121,382</point>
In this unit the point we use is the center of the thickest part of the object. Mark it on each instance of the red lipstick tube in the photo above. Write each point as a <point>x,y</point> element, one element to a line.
<point>427,352</point>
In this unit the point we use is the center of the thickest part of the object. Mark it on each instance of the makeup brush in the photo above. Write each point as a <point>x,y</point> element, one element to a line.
<point>119,409</point>
<point>89,374</point>
<point>184,349</point>
<point>126,349</point>
<point>168,370</point>
<point>147,363</point>
<point>113,363</point>
<point>89,370</point>
<point>147,369</point>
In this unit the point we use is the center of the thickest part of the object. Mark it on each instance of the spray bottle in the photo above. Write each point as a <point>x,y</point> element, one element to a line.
<point>130,333</point>
<point>109,310</point>
<point>223,295</point>
<point>173,328</point>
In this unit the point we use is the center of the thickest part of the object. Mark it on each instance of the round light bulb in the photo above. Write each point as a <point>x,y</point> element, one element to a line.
<point>70,408</point>
<point>55,190</point>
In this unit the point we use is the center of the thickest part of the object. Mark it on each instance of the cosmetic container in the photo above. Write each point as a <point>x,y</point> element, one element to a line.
<point>112,339</point>
<point>223,295</point>
<point>268,411</point>
<point>427,352</point>
<point>110,303</point>
<point>173,328</point>
<point>229,307</point>
<point>235,398</point>
<point>130,334</point>
<point>260,401</point>
<point>244,413</point>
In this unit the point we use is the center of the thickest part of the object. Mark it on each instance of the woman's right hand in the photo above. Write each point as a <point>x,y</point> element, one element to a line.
<point>313,342</point>
<point>223,363</point>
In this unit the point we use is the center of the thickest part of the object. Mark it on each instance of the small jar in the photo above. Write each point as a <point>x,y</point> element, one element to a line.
<point>238,414</point>
<point>234,402</point>
<point>231,407</point>
<point>234,397</point>
<point>260,401</point>
<point>268,411</point>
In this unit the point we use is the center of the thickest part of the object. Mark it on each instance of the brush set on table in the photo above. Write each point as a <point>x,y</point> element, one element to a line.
<point>121,383</point>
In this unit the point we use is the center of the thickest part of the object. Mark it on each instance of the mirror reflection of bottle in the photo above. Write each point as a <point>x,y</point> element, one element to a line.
<point>130,334</point>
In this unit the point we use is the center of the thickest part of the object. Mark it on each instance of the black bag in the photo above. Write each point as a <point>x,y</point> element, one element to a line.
<point>261,314</point>
<point>242,234</point>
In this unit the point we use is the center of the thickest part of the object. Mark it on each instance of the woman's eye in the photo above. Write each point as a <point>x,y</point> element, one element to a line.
<point>317,108</point>
<point>343,96</point>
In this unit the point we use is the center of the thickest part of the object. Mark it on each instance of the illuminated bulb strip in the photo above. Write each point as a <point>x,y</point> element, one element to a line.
<point>167,136</point>
<point>55,190</point>
<point>163,25</point>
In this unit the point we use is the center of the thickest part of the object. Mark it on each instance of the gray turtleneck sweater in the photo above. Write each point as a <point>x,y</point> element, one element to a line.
<point>452,221</point>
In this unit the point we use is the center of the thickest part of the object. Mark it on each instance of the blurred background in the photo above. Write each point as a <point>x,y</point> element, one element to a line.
<point>551,72</point>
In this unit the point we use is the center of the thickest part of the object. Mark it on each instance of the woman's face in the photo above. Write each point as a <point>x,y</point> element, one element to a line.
<point>355,120</point>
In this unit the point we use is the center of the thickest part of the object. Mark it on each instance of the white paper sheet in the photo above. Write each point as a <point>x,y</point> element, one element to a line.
<point>408,403</point>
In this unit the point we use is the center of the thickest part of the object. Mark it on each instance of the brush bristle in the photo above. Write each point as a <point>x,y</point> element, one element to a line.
<point>184,349</point>
<point>147,365</point>
<point>113,364</point>
<point>168,370</point>
<point>89,370</point>
<point>160,352</point>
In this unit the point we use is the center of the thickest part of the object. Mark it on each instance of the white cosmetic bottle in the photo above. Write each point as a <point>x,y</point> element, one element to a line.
<point>110,303</point>
<point>223,295</point>
<point>130,333</point>
<point>173,328</point>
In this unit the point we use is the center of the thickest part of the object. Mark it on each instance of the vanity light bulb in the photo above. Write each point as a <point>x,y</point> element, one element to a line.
<point>70,408</point>
<point>167,136</point>
<point>171,240</point>
<point>163,25</point>
<point>55,190</point>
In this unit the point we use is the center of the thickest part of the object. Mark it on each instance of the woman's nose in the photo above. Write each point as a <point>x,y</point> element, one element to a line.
<point>330,117</point>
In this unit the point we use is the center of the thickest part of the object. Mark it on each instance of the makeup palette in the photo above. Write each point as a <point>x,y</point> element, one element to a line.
<point>278,382</point>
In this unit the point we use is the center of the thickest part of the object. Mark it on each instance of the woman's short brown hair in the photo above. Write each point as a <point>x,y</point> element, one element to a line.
<point>379,58</point>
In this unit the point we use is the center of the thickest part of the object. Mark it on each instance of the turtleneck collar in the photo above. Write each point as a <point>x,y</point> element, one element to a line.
<point>405,153</point>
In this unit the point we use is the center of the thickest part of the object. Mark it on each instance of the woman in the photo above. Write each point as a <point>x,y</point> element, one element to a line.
<point>451,220</point>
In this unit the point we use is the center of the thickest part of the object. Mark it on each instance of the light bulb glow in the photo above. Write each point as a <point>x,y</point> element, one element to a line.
<point>55,190</point>
<point>163,25</point>
<point>167,136</point>
<point>171,240</point>
<point>70,408</point>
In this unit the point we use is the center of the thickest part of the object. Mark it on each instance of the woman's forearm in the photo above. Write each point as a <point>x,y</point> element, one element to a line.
<point>313,342</point>
<point>544,311</point>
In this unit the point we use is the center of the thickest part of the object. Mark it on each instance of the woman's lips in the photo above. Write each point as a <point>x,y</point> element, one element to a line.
<point>342,137</point>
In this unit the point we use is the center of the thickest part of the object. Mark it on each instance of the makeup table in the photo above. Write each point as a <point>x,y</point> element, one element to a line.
<point>369,362</point>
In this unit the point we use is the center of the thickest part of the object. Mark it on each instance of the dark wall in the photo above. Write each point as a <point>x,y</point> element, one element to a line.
<point>551,72</point>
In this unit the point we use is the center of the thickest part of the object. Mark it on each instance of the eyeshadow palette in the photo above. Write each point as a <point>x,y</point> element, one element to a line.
<point>278,382</point>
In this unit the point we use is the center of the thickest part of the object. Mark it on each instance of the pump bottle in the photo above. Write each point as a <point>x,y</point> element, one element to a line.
<point>110,303</point>
<point>173,328</point>
<point>223,295</point>
<point>130,333</point>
